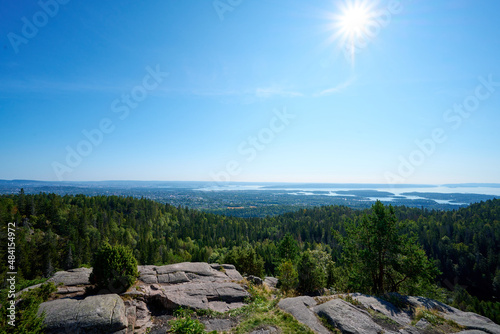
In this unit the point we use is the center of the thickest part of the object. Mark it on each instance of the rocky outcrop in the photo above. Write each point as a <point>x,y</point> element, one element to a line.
<point>94,314</point>
<point>216,296</point>
<point>347,317</point>
<point>193,285</point>
<point>366,314</point>
<point>221,288</point>
<point>383,307</point>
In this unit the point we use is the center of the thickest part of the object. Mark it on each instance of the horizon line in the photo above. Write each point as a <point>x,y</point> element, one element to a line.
<point>257,182</point>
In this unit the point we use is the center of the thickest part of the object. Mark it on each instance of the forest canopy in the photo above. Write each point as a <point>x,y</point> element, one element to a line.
<point>61,232</point>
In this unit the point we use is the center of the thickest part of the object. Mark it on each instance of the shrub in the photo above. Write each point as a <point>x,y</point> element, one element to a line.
<point>311,276</point>
<point>185,325</point>
<point>246,261</point>
<point>287,276</point>
<point>114,269</point>
<point>27,319</point>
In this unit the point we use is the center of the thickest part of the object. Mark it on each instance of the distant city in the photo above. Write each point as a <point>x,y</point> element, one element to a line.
<point>268,199</point>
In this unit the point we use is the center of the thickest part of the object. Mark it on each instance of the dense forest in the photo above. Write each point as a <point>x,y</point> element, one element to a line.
<point>61,232</point>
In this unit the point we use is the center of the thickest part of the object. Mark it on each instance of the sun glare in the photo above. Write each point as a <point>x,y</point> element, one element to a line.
<point>352,24</point>
<point>354,20</point>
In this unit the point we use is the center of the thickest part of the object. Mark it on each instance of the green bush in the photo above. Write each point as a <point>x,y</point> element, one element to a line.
<point>27,319</point>
<point>288,248</point>
<point>185,325</point>
<point>114,269</point>
<point>246,261</point>
<point>312,277</point>
<point>287,276</point>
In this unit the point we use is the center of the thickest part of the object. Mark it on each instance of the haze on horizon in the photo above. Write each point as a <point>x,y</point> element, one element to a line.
<point>351,91</point>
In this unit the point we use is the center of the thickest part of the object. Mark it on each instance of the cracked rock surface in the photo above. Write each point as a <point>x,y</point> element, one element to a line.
<point>194,285</point>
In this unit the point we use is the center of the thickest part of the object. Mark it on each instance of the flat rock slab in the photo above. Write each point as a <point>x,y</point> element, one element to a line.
<point>188,271</point>
<point>298,307</point>
<point>383,307</point>
<point>94,314</point>
<point>215,296</point>
<point>473,321</point>
<point>347,318</point>
<point>72,277</point>
<point>429,304</point>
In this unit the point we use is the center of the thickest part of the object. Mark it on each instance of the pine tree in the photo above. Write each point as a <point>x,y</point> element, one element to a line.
<point>380,258</point>
<point>311,276</point>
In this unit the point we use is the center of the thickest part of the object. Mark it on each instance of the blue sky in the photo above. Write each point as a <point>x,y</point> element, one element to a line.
<point>255,91</point>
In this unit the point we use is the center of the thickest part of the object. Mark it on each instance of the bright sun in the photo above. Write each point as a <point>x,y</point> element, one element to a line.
<point>354,20</point>
<point>352,24</point>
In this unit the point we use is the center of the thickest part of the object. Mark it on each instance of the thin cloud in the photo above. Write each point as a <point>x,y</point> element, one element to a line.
<point>337,89</point>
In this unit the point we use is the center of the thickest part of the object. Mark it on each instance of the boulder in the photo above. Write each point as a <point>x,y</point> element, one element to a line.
<point>94,314</point>
<point>298,307</point>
